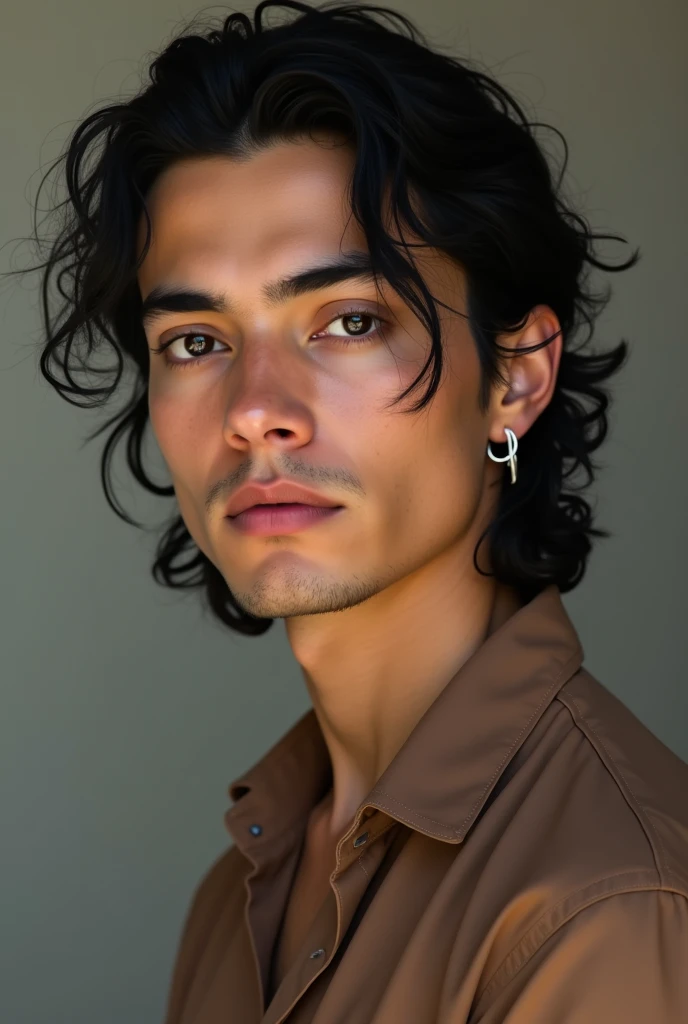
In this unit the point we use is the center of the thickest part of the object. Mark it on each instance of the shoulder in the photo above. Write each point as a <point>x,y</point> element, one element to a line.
<point>221,877</point>
<point>599,898</point>
<point>219,891</point>
<point>617,958</point>
<point>591,810</point>
<point>215,909</point>
<point>650,781</point>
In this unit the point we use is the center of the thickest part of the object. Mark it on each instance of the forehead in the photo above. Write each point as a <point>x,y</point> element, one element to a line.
<point>287,201</point>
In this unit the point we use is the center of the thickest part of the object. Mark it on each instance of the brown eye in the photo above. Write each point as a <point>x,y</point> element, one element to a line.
<point>196,344</point>
<point>192,347</point>
<point>356,324</point>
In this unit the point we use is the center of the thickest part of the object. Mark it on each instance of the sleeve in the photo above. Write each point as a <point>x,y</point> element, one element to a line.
<point>622,959</point>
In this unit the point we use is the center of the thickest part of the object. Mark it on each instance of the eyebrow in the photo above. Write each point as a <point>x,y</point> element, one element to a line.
<point>352,265</point>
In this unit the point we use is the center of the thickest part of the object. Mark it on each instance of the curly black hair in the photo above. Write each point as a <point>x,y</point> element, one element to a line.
<point>464,171</point>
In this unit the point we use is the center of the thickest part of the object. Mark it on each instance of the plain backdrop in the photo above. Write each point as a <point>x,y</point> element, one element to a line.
<point>124,711</point>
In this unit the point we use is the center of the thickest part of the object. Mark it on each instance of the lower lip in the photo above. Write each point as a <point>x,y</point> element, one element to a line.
<point>267,520</point>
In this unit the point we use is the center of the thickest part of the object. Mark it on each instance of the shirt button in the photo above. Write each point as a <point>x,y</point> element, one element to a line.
<point>317,953</point>
<point>256,830</point>
<point>361,839</point>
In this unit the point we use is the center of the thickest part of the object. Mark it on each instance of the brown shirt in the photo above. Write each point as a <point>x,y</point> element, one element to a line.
<point>523,859</point>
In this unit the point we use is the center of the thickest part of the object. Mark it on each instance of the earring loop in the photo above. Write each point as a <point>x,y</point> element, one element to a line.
<point>512,442</point>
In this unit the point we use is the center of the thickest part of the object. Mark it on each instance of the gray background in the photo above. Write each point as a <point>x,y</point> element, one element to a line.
<point>124,713</point>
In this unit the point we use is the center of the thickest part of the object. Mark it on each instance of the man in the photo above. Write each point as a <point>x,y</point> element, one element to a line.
<point>466,826</point>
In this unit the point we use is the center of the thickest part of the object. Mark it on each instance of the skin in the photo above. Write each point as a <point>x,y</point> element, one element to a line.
<point>382,604</point>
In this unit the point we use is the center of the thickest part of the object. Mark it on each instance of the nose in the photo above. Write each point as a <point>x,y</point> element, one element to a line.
<point>267,410</point>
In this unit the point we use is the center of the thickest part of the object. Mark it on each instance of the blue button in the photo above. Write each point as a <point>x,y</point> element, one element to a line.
<point>256,830</point>
<point>361,839</point>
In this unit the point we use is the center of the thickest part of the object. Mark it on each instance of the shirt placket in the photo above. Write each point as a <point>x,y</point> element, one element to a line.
<point>358,856</point>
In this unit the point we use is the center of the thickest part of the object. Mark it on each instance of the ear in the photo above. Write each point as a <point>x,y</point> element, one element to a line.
<point>531,377</point>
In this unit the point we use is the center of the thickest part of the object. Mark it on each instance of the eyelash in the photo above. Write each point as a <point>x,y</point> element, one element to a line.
<point>352,340</point>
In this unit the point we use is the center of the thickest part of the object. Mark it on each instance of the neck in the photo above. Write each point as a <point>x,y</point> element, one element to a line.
<point>374,669</point>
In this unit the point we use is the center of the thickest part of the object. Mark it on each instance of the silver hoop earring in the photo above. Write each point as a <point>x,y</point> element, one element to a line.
<point>512,442</point>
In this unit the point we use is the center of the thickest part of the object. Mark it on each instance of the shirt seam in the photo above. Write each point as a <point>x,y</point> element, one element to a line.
<point>660,858</point>
<point>576,656</point>
<point>497,982</point>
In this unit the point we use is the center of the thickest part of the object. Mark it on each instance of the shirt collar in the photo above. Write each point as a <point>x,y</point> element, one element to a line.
<point>444,772</point>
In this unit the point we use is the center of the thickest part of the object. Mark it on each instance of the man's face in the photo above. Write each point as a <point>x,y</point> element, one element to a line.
<point>274,390</point>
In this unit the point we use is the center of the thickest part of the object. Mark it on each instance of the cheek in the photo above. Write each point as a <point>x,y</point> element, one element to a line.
<point>176,431</point>
<point>174,428</point>
<point>440,461</point>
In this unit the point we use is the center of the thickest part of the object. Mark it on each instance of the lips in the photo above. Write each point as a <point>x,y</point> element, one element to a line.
<point>280,492</point>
